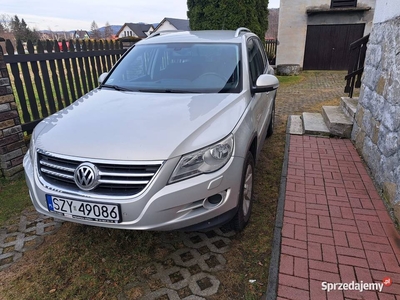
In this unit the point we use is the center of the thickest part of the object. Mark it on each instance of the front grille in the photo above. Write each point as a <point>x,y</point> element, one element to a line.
<point>114,179</point>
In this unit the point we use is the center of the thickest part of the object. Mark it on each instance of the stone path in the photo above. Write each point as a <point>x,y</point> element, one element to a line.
<point>335,226</point>
<point>315,88</point>
<point>189,272</point>
<point>24,233</point>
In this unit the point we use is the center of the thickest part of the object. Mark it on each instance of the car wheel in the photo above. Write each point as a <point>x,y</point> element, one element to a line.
<point>245,204</point>
<point>271,125</point>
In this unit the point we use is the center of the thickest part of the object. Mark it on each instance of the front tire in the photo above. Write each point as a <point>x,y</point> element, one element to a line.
<point>242,217</point>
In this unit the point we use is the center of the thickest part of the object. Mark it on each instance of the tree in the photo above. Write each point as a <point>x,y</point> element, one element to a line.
<point>95,32</point>
<point>108,32</point>
<point>16,27</point>
<point>22,31</point>
<point>5,23</point>
<point>223,14</point>
<point>5,28</point>
<point>262,15</point>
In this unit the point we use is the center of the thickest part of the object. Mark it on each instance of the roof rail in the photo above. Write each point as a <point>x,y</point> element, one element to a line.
<point>163,32</point>
<point>241,29</point>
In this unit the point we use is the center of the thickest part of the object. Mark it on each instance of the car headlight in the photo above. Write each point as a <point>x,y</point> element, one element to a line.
<point>205,160</point>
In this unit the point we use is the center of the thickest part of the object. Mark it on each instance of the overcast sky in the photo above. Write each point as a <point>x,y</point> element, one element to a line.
<point>78,14</point>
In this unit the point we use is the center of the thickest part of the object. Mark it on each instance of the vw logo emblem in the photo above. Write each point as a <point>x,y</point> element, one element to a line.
<point>86,176</point>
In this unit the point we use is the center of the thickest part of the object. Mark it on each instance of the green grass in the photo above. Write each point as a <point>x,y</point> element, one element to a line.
<point>14,198</point>
<point>84,262</point>
<point>290,79</point>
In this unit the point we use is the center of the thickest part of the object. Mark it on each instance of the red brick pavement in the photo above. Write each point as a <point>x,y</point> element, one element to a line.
<point>336,227</point>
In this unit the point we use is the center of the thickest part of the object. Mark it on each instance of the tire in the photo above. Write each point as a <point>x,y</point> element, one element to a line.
<point>271,125</point>
<point>246,195</point>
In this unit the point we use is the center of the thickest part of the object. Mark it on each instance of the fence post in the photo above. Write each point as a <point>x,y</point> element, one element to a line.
<point>12,145</point>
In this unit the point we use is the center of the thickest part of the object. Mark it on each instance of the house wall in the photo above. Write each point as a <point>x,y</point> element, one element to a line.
<point>150,31</point>
<point>293,21</point>
<point>166,26</point>
<point>376,131</point>
<point>126,31</point>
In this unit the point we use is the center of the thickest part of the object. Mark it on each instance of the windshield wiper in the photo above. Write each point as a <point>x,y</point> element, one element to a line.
<point>167,91</point>
<point>115,87</point>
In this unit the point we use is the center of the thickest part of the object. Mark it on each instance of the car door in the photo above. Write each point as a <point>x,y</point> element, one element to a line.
<point>270,95</point>
<point>262,103</point>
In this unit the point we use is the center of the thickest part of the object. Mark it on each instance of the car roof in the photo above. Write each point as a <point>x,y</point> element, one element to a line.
<point>201,36</point>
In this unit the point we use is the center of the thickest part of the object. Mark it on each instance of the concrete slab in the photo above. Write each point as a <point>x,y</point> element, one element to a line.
<point>296,125</point>
<point>314,124</point>
<point>349,106</point>
<point>337,121</point>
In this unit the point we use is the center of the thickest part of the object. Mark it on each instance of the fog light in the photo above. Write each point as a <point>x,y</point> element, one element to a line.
<point>214,200</point>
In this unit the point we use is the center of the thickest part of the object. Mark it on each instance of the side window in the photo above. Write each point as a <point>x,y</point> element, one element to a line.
<point>256,61</point>
<point>263,53</point>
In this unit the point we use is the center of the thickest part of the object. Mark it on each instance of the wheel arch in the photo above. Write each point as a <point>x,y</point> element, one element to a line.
<point>253,148</point>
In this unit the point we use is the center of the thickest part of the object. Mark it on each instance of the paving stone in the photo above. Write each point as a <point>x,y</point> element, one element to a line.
<point>349,106</point>
<point>296,125</point>
<point>199,290</point>
<point>337,254</point>
<point>338,123</point>
<point>23,234</point>
<point>314,124</point>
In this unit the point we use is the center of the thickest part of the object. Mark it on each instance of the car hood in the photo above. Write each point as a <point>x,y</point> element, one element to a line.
<point>108,124</point>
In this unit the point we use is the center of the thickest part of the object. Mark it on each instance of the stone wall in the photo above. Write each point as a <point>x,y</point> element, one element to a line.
<point>12,145</point>
<point>377,129</point>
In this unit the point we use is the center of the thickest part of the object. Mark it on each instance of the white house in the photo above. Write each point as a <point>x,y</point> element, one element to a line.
<point>136,30</point>
<point>172,24</point>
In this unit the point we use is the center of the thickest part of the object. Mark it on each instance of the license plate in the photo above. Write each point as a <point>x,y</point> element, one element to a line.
<point>91,211</point>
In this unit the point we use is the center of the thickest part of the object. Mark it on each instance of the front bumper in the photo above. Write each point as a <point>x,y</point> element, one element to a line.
<point>179,205</point>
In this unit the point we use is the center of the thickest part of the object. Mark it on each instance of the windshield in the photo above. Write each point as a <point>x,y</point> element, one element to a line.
<point>179,68</point>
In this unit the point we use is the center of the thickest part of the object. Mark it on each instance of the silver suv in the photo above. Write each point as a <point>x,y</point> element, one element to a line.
<point>167,141</point>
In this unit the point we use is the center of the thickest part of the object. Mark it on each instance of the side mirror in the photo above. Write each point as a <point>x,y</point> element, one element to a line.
<point>102,77</point>
<point>266,83</point>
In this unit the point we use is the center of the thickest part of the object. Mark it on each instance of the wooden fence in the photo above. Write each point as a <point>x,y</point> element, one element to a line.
<point>357,50</point>
<point>270,48</point>
<point>52,77</point>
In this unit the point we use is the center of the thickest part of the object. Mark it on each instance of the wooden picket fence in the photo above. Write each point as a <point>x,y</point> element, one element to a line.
<point>52,77</point>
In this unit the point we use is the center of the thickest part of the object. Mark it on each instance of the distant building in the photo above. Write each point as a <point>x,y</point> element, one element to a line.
<point>173,24</point>
<point>136,30</point>
<point>81,35</point>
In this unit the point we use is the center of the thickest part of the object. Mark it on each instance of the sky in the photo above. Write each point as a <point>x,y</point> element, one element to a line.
<point>79,14</point>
